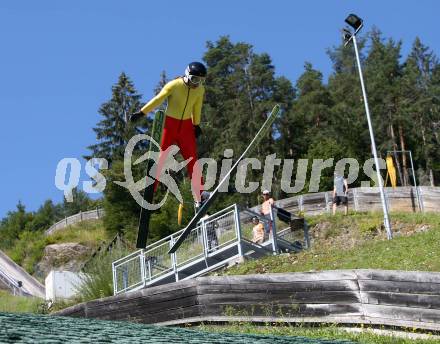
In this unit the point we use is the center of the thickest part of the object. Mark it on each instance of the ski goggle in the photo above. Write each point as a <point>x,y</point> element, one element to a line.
<point>195,79</point>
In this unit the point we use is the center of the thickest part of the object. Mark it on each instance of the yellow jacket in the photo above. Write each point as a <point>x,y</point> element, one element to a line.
<point>183,102</point>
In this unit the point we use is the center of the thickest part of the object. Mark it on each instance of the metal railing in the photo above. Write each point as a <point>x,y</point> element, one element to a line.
<point>11,283</point>
<point>218,239</point>
<point>94,214</point>
<point>152,263</point>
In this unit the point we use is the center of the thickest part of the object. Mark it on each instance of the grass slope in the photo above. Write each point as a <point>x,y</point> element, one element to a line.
<point>19,304</point>
<point>358,241</point>
<point>329,332</point>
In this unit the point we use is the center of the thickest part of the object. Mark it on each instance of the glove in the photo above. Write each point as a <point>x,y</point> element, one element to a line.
<point>134,117</point>
<point>197,131</point>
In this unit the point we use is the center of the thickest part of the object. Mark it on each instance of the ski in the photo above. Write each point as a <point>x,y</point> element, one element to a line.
<point>204,208</point>
<point>145,214</point>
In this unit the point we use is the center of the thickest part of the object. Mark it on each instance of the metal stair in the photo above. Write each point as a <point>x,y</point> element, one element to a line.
<point>220,239</point>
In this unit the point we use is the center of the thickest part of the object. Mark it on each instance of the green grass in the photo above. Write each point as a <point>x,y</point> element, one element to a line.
<point>331,332</point>
<point>88,233</point>
<point>19,304</point>
<point>358,241</point>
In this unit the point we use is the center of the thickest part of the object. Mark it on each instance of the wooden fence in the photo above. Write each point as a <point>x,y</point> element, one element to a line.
<point>405,199</point>
<point>375,297</point>
<point>81,216</point>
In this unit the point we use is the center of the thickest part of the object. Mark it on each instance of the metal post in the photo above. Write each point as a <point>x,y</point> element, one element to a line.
<point>238,230</point>
<point>173,259</point>
<point>274,231</point>
<point>115,284</point>
<point>373,145</point>
<point>143,274</point>
<point>204,240</point>
<point>327,207</point>
<point>415,182</point>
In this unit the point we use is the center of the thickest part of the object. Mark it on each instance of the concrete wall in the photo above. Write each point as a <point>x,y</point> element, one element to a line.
<point>62,284</point>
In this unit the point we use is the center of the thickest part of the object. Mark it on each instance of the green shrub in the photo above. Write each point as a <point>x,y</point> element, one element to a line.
<point>98,277</point>
<point>369,227</point>
<point>28,250</point>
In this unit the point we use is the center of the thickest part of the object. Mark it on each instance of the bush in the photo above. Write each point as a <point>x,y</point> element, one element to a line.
<point>28,250</point>
<point>98,276</point>
<point>370,227</point>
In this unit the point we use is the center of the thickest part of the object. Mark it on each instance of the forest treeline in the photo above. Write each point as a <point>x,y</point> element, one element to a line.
<point>321,119</point>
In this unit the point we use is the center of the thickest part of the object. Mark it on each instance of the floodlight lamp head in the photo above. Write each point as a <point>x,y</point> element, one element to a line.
<point>354,21</point>
<point>346,35</point>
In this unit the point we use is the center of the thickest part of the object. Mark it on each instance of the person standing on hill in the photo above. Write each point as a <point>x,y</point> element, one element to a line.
<point>182,122</point>
<point>266,209</point>
<point>340,192</point>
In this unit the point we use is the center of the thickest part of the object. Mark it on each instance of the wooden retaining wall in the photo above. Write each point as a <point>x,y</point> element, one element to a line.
<point>395,298</point>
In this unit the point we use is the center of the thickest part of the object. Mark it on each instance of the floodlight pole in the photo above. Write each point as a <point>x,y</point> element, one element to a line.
<point>386,218</point>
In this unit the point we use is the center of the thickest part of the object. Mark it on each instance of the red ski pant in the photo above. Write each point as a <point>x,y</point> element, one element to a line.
<point>181,133</point>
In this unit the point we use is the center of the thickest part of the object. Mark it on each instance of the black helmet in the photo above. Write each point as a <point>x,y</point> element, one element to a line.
<point>205,195</point>
<point>197,69</point>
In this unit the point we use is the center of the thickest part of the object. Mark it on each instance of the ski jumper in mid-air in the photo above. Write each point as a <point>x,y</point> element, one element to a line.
<point>182,121</point>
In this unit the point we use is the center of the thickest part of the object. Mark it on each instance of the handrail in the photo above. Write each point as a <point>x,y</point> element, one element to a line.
<point>10,281</point>
<point>147,265</point>
<point>217,240</point>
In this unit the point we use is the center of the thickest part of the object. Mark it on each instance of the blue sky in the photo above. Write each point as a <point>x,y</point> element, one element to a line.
<point>59,60</point>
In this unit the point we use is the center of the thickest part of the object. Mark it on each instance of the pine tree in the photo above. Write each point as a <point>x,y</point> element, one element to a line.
<point>46,215</point>
<point>81,202</point>
<point>311,111</point>
<point>162,82</point>
<point>347,120</point>
<point>113,132</point>
<point>383,75</point>
<point>13,225</point>
<point>419,92</point>
<point>241,88</point>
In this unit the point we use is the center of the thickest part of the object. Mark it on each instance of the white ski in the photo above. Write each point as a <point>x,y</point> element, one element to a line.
<point>192,224</point>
